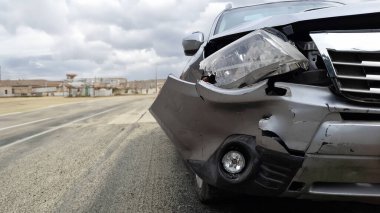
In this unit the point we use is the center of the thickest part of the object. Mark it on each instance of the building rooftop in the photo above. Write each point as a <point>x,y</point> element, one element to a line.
<point>33,83</point>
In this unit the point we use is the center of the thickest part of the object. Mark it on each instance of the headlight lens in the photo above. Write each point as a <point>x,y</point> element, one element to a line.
<point>251,58</point>
<point>233,162</point>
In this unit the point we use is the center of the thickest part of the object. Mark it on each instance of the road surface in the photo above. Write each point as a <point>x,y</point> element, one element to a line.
<point>109,156</point>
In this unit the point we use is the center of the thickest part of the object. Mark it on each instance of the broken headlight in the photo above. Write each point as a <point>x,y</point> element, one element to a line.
<point>251,58</point>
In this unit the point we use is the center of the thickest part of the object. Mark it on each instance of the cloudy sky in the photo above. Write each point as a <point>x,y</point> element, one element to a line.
<point>118,38</point>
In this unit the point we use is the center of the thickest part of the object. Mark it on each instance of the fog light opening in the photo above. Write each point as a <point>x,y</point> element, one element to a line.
<point>233,162</point>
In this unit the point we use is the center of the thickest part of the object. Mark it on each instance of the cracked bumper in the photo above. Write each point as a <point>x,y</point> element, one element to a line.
<point>305,122</point>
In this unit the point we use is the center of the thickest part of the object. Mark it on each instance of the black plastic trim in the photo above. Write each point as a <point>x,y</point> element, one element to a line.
<point>267,172</point>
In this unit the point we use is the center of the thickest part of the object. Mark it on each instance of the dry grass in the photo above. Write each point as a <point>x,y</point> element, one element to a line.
<point>23,104</point>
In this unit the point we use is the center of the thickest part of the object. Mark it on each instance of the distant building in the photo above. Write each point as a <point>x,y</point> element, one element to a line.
<point>145,86</point>
<point>109,82</point>
<point>29,88</point>
<point>79,87</point>
<point>95,86</point>
<point>6,91</point>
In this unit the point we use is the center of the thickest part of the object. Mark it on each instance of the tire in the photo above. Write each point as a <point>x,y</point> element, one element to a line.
<point>205,192</point>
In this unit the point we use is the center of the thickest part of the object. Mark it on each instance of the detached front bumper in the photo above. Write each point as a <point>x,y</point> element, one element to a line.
<point>298,144</point>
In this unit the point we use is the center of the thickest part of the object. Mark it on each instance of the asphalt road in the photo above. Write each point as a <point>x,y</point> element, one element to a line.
<point>109,156</point>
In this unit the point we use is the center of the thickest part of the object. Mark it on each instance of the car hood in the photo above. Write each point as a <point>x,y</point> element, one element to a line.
<point>325,13</point>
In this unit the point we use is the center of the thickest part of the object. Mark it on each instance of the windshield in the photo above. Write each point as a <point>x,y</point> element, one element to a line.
<point>232,18</point>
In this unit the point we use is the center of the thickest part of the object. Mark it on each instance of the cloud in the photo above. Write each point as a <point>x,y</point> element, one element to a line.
<point>25,41</point>
<point>46,15</point>
<point>127,38</point>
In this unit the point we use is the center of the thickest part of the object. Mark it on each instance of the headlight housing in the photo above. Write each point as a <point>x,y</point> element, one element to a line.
<point>251,58</point>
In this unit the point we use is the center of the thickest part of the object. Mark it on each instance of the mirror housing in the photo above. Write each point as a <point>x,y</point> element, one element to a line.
<point>192,43</point>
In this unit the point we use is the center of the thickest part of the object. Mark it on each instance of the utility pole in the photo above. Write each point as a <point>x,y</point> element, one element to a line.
<point>156,81</point>
<point>93,88</point>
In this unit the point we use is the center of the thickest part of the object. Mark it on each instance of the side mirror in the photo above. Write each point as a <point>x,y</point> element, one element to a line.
<point>192,43</point>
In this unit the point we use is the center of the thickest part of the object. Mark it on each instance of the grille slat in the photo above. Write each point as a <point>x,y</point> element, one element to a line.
<point>352,60</point>
<point>357,73</point>
<point>362,64</point>
<point>367,77</point>
<point>371,91</point>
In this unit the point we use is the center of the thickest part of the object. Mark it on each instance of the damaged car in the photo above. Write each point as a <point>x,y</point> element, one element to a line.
<point>280,99</point>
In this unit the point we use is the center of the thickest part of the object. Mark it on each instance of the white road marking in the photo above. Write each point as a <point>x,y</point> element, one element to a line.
<point>12,113</point>
<point>55,128</point>
<point>52,106</point>
<point>24,124</point>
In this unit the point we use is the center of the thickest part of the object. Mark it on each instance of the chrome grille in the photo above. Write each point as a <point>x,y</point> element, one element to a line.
<point>353,61</point>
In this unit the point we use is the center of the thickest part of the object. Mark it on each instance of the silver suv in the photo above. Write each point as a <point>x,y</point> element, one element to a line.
<point>281,99</point>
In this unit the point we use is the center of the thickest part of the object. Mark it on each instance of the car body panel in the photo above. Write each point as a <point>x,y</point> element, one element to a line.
<point>304,124</point>
<point>297,118</point>
<point>338,177</point>
<point>308,136</point>
<point>347,138</point>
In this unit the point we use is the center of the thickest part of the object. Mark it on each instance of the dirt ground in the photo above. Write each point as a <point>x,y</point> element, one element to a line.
<point>25,104</point>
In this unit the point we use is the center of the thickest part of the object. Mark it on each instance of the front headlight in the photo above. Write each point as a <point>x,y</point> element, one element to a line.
<point>251,58</point>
